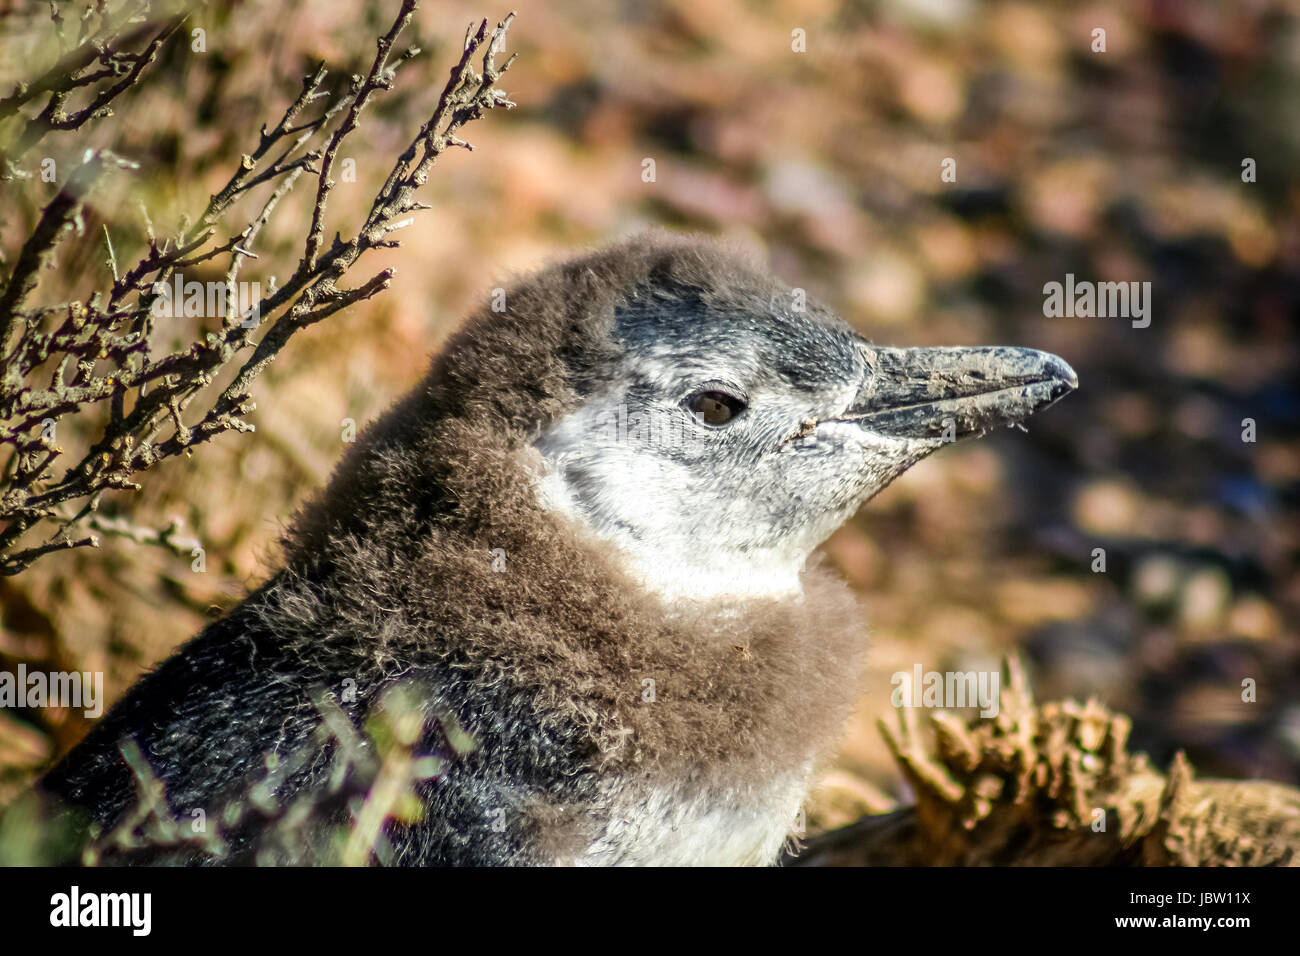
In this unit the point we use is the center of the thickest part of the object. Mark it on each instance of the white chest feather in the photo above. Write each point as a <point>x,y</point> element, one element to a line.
<point>684,826</point>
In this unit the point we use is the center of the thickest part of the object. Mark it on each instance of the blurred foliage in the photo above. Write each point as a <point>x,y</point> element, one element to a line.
<point>326,803</point>
<point>1116,166</point>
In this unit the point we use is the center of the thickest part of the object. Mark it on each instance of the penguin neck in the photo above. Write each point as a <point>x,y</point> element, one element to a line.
<point>678,568</point>
<point>675,576</point>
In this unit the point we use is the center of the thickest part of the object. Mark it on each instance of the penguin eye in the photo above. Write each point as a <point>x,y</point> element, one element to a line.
<point>715,407</point>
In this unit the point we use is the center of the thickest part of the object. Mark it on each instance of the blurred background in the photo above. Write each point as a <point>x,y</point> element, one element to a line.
<point>1122,165</point>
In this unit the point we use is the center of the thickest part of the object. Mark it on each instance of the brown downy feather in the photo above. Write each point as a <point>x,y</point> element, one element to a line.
<point>388,575</point>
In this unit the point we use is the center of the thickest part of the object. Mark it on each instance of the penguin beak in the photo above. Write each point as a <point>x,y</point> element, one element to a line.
<point>956,392</point>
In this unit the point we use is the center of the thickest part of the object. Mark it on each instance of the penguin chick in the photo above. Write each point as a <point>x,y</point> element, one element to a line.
<point>585,537</point>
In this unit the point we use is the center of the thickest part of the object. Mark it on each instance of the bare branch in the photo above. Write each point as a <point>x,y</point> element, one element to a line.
<point>109,47</point>
<point>103,351</point>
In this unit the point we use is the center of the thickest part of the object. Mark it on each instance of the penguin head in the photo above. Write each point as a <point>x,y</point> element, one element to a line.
<point>726,426</point>
<point>669,398</point>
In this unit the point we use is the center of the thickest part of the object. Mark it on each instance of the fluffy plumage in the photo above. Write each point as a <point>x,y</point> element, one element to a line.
<point>387,575</point>
<point>654,675</point>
